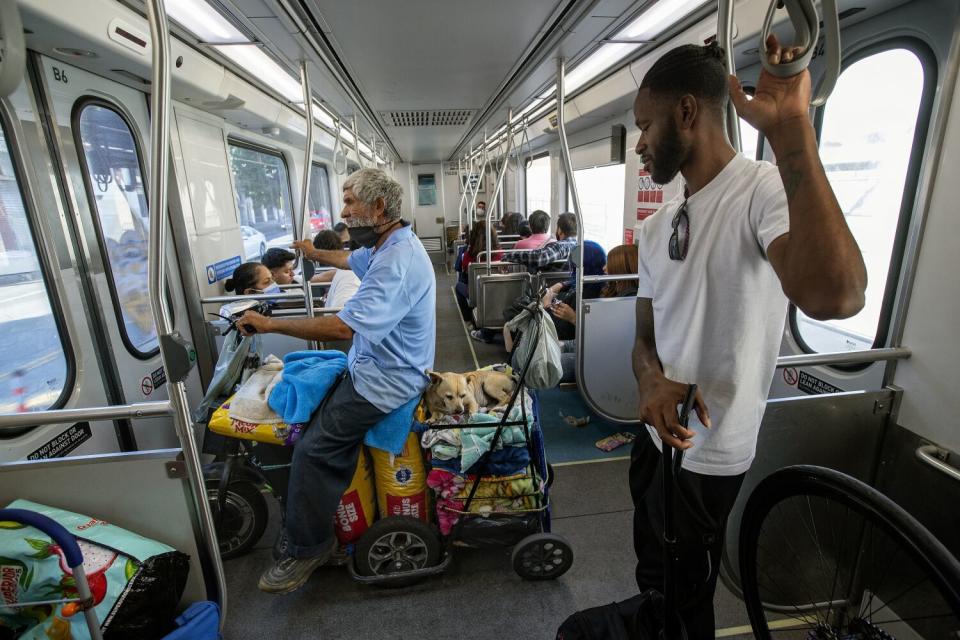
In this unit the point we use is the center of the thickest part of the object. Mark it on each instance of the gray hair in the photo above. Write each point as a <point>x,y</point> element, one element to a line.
<point>369,184</point>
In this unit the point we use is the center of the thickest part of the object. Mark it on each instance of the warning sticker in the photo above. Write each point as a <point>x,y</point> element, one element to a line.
<point>158,377</point>
<point>146,386</point>
<point>647,189</point>
<point>223,269</point>
<point>790,376</point>
<point>628,236</point>
<point>644,213</point>
<point>64,443</point>
<point>813,385</point>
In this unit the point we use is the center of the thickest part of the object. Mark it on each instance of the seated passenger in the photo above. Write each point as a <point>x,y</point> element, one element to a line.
<point>250,278</point>
<point>623,260</point>
<point>480,213</point>
<point>548,256</point>
<point>539,231</point>
<point>510,224</point>
<point>476,246</point>
<point>524,229</point>
<point>594,263</point>
<point>280,262</point>
<point>343,235</point>
<point>343,282</point>
<point>392,320</point>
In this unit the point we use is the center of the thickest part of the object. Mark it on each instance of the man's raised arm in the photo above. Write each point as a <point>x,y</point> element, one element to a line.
<point>338,259</point>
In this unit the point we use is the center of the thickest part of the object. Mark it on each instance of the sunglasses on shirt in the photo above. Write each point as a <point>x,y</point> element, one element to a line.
<point>680,239</point>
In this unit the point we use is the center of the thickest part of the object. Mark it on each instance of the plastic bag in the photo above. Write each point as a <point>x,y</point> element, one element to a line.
<point>540,346</point>
<point>136,583</point>
<point>357,509</point>
<point>228,372</point>
<point>401,481</point>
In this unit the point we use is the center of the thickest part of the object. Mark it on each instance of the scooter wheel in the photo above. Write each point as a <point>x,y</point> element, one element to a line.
<point>397,545</point>
<point>244,518</point>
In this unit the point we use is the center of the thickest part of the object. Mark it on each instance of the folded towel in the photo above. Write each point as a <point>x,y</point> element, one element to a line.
<point>307,377</point>
<point>250,402</point>
<point>390,434</point>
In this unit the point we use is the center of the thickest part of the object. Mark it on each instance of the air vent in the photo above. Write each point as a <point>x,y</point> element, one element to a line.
<point>441,118</point>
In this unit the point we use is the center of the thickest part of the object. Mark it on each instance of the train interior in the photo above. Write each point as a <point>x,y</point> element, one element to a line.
<point>458,102</point>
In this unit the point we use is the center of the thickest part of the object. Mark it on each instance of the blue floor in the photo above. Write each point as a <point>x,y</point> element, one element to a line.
<point>567,443</point>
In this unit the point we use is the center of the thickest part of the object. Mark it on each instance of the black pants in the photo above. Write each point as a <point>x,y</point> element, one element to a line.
<point>703,504</point>
<point>324,462</point>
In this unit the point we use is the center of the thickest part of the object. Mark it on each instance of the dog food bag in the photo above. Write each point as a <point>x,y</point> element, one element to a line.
<point>271,433</point>
<point>402,481</point>
<point>357,510</point>
<point>136,583</point>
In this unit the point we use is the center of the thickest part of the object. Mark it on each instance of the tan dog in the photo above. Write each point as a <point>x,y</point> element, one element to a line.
<point>465,393</point>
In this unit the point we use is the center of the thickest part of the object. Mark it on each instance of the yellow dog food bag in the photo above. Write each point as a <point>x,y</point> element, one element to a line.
<point>275,433</point>
<point>357,510</point>
<point>402,481</point>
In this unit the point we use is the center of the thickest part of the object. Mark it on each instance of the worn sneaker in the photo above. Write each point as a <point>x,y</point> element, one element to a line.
<point>481,336</point>
<point>289,574</point>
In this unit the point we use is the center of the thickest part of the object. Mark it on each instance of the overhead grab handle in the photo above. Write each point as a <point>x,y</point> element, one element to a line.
<point>806,26</point>
<point>338,152</point>
<point>14,59</point>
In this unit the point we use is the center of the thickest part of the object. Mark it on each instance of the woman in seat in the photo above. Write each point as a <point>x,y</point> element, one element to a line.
<point>476,246</point>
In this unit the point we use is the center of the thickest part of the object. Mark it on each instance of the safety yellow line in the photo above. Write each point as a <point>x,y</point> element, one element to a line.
<point>466,332</point>
<point>786,623</point>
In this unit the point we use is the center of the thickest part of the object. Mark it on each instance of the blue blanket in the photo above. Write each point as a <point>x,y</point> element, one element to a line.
<point>306,380</point>
<point>307,377</point>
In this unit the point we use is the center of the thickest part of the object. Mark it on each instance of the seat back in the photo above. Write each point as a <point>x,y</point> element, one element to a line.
<point>496,292</point>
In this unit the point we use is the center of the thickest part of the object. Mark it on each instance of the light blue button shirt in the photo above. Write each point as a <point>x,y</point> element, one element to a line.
<point>394,319</point>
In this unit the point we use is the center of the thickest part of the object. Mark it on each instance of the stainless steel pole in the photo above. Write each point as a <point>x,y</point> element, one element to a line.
<point>498,186</point>
<point>303,215</point>
<point>725,40</point>
<point>159,157</point>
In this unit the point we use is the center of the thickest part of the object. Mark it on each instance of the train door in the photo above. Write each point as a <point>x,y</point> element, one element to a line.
<point>48,356</point>
<point>426,206</point>
<point>872,159</point>
<point>102,130</point>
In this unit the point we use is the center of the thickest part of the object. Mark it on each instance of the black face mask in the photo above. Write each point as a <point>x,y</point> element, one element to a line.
<point>368,236</point>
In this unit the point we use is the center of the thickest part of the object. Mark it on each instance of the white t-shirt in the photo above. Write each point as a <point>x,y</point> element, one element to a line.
<point>344,284</point>
<point>719,314</point>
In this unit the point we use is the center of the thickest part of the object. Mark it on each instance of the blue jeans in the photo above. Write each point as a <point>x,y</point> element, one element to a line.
<point>324,461</point>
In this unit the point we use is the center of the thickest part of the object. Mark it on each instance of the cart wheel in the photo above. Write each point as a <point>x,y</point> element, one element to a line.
<point>396,545</point>
<point>244,518</point>
<point>542,556</point>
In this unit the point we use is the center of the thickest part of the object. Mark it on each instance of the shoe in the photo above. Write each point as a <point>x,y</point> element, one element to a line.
<point>479,336</point>
<point>289,574</point>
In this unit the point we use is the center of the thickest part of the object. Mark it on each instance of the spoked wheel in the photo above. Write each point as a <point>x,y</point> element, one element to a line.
<point>244,517</point>
<point>542,556</point>
<point>823,555</point>
<point>397,545</point>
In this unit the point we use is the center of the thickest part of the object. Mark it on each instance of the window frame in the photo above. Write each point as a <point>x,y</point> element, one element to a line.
<point>526,169</point>
<point>78,107</point>
<point>7,125</point>
<point>928,62</point>
<point>270,151</point>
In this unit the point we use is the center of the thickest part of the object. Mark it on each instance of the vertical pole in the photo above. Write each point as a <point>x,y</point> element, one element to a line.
<point>498,186</point>
<point>356,140</point>
<point>463,196</point>
<point>443,206</point>
<point>725,40</point>
<point>572,185</point>
<point>159,159</point>
<point>303,213</point>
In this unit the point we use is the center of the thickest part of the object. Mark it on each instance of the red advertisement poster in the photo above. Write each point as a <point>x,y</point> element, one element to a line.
<point>628,236</point>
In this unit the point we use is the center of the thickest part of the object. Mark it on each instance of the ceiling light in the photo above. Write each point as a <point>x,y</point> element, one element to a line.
<point>258,64</point>
<point>598,62</point>
<point>320,114</point>
<point>203,21</point>
<point>365,149</point>
<point>656,19</point>
<point>346,135</point>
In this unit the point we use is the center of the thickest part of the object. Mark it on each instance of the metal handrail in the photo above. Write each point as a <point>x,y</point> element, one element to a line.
<point>499,184</point>
<point>930,454</point>
<point>611,278</point>
<point>843,357</point>
<point>302,217</point>
<point>253,296</point>
<point>56,416</point>
<point>159,174</point>
<point>725,40</point>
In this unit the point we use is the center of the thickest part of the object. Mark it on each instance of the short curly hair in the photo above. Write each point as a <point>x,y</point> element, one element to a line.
<point>369,184</point>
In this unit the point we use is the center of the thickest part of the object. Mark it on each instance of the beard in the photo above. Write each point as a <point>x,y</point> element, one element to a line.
<point>668,156</point>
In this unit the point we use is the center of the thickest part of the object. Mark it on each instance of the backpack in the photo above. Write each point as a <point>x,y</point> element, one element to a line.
<point>637,618</point>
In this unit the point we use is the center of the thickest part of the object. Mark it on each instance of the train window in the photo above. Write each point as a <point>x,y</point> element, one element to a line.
<point>116,188</point>
<point>538,184</point>
<point>263,199</point>
<point>320,214</point>
<point>866,144</point>
<point>34,366</point>
<point>749,139</point>
<point>601,203</point>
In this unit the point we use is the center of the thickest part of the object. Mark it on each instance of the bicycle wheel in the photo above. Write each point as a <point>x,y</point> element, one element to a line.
<point>823,555</point>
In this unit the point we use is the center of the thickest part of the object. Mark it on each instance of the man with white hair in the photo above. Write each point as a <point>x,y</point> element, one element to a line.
<point>392,320</point>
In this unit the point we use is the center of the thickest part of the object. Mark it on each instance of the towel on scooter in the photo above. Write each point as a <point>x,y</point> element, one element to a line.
<point>250,402</point>
<point>390,434</point>
<point>307,377</point>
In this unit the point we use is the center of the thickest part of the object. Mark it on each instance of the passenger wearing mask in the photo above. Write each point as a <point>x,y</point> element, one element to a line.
<point>392,321</point>
<point>250,278</point>
<point>280,262</point>
<point>343,282</point>
<point>539,231</point>
<point>480,213</point>
<point>717,266</point>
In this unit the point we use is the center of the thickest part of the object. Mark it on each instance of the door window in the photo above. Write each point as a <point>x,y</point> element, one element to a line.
<point>263,199</point>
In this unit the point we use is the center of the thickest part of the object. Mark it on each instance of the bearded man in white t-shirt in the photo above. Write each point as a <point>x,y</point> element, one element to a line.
<point>717,267</point>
